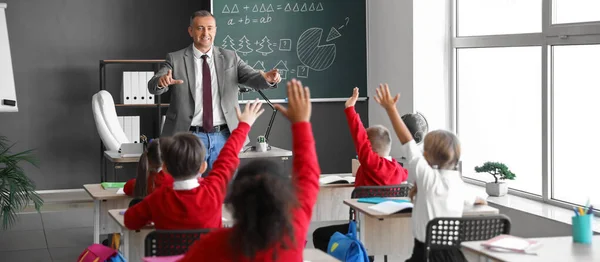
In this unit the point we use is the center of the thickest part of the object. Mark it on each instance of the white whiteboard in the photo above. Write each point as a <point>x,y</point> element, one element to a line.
<point>7,80</point>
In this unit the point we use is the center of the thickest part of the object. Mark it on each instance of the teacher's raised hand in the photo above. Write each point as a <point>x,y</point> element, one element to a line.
<point>272,76</point>
<point>168,80</point>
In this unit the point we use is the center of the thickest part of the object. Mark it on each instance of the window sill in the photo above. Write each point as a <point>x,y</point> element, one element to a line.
<point>533,207</point>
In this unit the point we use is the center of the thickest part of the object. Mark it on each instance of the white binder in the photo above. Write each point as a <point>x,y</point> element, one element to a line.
<point>126,88</point>
<point>141,90</point>
<point>121,123</point>
<point>149,97</point>
<point>135,129</point>
<point>135,96</point>
<point>127,127</point>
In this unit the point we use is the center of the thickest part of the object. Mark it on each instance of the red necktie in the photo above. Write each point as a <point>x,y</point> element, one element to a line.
<point>207,114</point>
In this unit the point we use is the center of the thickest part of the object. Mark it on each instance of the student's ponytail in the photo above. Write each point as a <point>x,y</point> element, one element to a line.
<point>141,179</point>
<point>262,198</point>
<point>149,162</point>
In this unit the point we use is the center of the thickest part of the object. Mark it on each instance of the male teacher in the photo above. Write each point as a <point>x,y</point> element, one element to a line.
<point>203,80</point>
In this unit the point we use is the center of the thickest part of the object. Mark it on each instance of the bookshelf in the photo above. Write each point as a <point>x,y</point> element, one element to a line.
<point>158,106</point>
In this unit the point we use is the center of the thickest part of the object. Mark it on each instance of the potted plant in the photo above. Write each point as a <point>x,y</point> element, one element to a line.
<point>16,189</point>
<point>498,170</point>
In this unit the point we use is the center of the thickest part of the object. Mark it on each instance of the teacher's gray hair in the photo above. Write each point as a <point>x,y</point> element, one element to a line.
<point>201,13</point>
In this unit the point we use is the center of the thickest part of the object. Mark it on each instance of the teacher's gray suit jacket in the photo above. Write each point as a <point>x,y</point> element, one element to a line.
<point>231,71</point>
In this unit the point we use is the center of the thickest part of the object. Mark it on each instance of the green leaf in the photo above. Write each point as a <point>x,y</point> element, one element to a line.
<point>496,169</point>
<point>17,191</point>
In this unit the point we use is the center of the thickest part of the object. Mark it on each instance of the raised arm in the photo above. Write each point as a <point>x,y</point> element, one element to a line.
<point>418,168</point>
<point>228,160</point>
<point>306,166</point>
<point>385,99</point>
<point>366,155</point>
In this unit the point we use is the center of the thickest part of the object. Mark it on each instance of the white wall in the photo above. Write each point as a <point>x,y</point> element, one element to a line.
<point>390,57</point>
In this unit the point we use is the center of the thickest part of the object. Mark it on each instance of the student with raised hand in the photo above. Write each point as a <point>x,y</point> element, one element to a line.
<point>377,168</point>
<point>441,191</point>
<point>191,204</point>
<point>150,175</point>
<point>271,213</point>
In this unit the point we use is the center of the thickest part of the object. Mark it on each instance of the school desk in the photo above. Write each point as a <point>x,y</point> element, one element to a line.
<point>551,249</point>
<point>116,160</point>
<point>132,241</point>
<point>105,199</point>
<point>392,234</point>
<point>328,206</point>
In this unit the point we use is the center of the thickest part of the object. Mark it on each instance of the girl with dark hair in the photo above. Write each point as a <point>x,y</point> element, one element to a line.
<point>149,173</point>
<point>271,212</point>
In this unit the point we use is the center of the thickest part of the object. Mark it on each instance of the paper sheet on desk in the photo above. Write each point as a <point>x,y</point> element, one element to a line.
<point>120,191</point>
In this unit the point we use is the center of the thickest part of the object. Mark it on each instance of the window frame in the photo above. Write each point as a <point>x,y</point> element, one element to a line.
<point>551,35</point>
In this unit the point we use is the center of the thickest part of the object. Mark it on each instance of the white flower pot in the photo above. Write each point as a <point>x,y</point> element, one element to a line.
<point>496,189</point>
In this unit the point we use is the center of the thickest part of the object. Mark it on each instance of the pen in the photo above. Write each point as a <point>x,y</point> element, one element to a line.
<point>591,209</point>
<point>581,211</point>
<point>576,213</point>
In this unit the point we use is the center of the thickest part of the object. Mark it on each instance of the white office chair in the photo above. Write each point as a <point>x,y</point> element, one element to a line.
<point>107,122</point>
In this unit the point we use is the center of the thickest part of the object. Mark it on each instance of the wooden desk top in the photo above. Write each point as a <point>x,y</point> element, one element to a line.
<point>364,208</point>
<point>552,249</point>
<point>97,192</point>
<point>115,157</point>
<point>316,255</point>
<point>120,219</point>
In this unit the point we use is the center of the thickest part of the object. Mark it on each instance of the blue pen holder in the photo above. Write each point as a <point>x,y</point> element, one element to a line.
<point>582,229</point>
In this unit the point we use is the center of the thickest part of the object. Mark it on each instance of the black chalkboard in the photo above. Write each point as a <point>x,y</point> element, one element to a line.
<point>322,43</point>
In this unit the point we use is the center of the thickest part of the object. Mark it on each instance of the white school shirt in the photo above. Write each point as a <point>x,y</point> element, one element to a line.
<point>440,192</point>
<point>218,116</point>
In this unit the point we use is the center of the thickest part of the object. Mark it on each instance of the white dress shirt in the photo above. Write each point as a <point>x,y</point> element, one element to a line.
<point>440,192</point>
<point>187,184</point>
<point>218,116</point>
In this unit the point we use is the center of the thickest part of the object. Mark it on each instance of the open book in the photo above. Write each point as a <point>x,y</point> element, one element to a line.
<point>508,243</point>
<point>334,179</point>
<point>391,207</point>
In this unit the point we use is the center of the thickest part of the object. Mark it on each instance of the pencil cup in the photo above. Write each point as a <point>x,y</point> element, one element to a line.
<point>582,229</point>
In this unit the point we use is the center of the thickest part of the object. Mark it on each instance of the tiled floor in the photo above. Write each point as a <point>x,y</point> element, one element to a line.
<point>48,236</point>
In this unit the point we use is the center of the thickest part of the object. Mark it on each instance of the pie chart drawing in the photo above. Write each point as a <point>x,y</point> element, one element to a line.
<point>310,53</point>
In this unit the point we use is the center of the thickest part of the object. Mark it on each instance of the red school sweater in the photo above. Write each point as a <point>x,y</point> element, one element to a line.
<point>200,207</point>
<point>374,170</point>
<point>216,246</point>
<point>155,180</point>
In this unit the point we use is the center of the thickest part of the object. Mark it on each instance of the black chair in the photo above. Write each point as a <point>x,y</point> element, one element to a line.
<point>448,233</point>
<point>171,242</point>
<point>378,191</point>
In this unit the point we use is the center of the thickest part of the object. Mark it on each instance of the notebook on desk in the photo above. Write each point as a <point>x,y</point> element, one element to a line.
<point>509,243</point>
<point>107,185</point>
<point>377,200</point>
<point>391,207</point>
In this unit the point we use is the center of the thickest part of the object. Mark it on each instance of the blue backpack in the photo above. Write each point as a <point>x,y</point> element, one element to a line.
<point>347,247</point>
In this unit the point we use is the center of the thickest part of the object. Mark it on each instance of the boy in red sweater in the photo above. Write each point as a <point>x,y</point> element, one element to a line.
<point>373,147</point>
<point>272,214</point>
<point>377,168</point>
<point>190,204</point>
